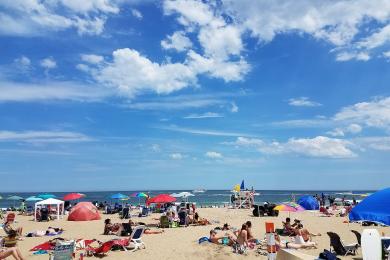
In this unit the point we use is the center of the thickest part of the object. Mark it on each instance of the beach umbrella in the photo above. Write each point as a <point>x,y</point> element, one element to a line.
<point>33,198</point>
<point>46,196</point>
<point>162,198</point>
<point>139,195</point>
<point>289,207</point>
<point>119,196</point>
<point>373,208</point>
<point>73,196</point>
<point>14,198</point>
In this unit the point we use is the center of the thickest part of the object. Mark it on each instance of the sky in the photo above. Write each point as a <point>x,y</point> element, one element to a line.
<point>135,95</point>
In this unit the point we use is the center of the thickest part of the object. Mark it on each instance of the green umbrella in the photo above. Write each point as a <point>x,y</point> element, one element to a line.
<point>14,198</point>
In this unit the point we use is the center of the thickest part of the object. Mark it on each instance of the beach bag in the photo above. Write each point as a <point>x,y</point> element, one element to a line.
<point>327,255</point>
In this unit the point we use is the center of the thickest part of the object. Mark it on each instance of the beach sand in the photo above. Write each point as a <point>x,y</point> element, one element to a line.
<point>181,243</point>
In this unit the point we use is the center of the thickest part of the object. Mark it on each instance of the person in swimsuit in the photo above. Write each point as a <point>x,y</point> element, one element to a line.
<point>287,244</point>
<point>221,240</point>
<point>12,251</point>
<point>306,235</point>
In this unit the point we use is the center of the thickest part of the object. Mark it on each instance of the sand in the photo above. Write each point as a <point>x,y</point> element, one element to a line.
<point>181,243</point>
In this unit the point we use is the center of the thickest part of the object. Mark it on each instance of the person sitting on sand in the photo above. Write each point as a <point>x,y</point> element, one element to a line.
<point>11,239</point>
<point>225,240</point>
<point>112,229</point>
<point>12,251</point>
<point>242,236</point>
<point>306,235</point>
<point>251,238</point>
<point>200,221</point>
<point>287,228</point>
<point>288,244</point>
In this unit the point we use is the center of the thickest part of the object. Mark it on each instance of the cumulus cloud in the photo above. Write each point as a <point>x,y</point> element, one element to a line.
<point>213,155</point>
<point>176,156</point>
<point>137,14</point>
<point>319,146</point>
<point>48,63</point>
<point>375,113</point>
<point>23,61</point>
<point>177,41</point>
<point>21,17</point>
<point>234,108</point>
<point>303,102</point>
<point>92,58</point>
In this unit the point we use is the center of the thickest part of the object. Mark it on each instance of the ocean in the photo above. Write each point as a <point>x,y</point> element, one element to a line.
<point>208,198</point>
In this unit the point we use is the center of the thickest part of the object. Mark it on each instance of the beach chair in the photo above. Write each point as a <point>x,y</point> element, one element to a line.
<point>134,240</point>
<point>164,222</point>
<point>64,250</point>
<point>101,250</point>
<point>182,218</point>
<point>358,237</point>
<point>127,230</point>
<point>339,248</point>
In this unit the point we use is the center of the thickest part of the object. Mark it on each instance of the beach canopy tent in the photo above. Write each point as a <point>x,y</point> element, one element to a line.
<point>84,211</point>
<point>373,208</point>
<point>50,202</point>
<point>73,196</point>
<point>162,198</point>
<point>308,202</point>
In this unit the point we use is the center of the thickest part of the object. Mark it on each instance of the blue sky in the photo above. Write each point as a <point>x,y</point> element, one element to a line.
<point>126,94</point>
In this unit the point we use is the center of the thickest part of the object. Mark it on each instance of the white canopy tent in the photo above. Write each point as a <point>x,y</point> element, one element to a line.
<point>50,202</point>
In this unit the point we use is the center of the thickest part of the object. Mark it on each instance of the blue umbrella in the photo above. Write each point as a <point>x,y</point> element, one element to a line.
<point>118,196</point>
<point>46,196</point>
<point>33,198</point>
<point>308,202</point>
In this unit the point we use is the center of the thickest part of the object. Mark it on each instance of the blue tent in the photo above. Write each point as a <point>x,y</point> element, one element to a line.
<point>308,202</point>
<point>373,208</point>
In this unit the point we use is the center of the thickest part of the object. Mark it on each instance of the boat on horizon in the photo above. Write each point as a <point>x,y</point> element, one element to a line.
<point>199,191</point>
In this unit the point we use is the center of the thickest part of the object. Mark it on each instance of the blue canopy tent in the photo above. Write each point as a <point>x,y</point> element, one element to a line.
<point>308,202</point>
<point>374,208</point>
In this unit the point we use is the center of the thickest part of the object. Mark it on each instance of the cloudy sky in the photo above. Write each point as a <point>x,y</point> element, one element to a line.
<point>127,94</point>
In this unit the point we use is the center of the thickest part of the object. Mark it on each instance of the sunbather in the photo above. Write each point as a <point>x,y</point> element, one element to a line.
<point>112,229</point>
<point>48,232</point>
<point>242,236</point>
<point>306,235</point>
<point>251,238</point>
<point>221,240</point>
<point>287,228</point>
<point>12,251</point>
<point>9,225</point>
<point>200,221</point>
<point>288,244</point>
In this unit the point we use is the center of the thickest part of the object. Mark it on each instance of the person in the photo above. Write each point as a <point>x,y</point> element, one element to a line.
<point>343,212</point>
<point>225,240</point>
<point>199,221</point>
<point>11,251</point>
<point>110,228</point>
<point>251,238</point>
<point>306,235</point>
<point>287,228</point>
<point>287,244</point>
<point>242,237</point>
<point>8,225</point>
<point>11,239</point>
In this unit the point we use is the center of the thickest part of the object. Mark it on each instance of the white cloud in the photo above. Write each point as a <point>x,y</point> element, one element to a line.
<point>177,41</point>
<point>202,131</point>
<point>303,102</point>
<point>156,148</point>
<point>31,17</point>
<point>213,155</point>
<point>137,14</point>
<point>380,143</point>
<point>347,56</point>
<point>92,58</point>
<point>372,114</point>
<point>23,61</point>
<point>386,54</point>
<point>176,156</point>
<point>304,123</point>
<point>204,115</point>
<point>352,128</point>
<point>48,63</point>
<point>43,137</point>
<point>234,108</point>
<point>319,146</point>
<point>49,91</point>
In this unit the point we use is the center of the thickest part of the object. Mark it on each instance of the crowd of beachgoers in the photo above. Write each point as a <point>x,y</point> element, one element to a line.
<point>123,227</point>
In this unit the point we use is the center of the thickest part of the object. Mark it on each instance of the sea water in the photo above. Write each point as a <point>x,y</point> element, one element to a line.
<point>207,198</point>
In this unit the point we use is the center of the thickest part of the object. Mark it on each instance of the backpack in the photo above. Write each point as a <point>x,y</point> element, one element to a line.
<point>327,255</point>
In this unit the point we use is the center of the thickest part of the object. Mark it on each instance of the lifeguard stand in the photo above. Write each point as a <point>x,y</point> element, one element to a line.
<point>242,199</point>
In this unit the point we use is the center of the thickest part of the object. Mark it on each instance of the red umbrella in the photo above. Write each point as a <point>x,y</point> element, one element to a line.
<point>73,196</point>
<point>162,198</point>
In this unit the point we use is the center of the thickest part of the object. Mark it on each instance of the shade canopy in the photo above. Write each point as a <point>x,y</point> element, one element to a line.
<point>162,198</point>
<point>84,211</point>
<point>373,208</point>
<point>33,198</point>
<point>139,195</point>
<point>309,202</point>
<point>289,207</point>
<point>14,198</point>
<point>183,194</point>
<point>50,202</point>
<point>118,196</point>
<point>73,196</point>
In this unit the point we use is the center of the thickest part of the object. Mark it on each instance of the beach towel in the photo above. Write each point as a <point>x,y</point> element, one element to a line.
<point>44,246</point>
